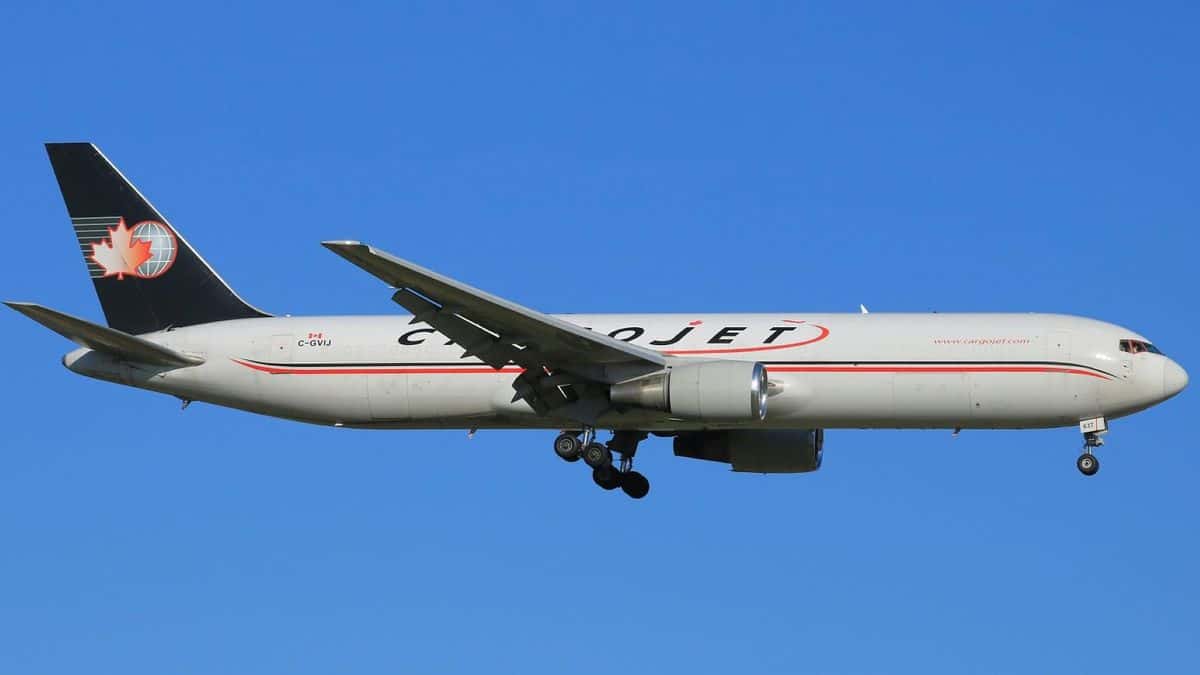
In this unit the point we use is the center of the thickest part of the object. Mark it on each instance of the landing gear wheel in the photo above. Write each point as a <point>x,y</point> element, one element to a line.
<point>1088,464</point>
<point>606,477</point>
<point>568,447</point>
<point>635,484</point>
<point>597,455</point>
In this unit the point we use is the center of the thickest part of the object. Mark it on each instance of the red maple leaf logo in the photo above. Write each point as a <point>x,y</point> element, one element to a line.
<point>121,253</point>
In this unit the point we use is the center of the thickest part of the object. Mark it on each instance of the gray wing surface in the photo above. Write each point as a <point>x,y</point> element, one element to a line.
<point>562,361</point>
<point>109,340</point>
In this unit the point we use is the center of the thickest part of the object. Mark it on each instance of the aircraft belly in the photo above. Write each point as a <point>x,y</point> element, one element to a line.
<point>217,381</point>
<point>335,399</point>
<point>928,400</point>
<point>300,393</point>
<point>441,399</point>
<point>831,399</point>
<point>388,397</point>
<point>1002,399</point>
<point>936,400</point>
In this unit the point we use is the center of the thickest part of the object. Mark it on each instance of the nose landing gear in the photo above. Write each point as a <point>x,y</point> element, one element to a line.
<point>1087,463</point>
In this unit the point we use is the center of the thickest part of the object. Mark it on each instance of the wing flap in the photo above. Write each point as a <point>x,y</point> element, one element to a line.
<point>101,338</point>
<point>475,340</point>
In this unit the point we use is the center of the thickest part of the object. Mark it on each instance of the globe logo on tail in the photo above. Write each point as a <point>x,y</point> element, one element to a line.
<point>145,251</point>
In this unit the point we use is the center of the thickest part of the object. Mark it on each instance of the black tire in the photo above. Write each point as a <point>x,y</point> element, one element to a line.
<point>1088,464</point>
<point>568,447</point>
<point>606,477</point>
<point>597,455</point>
<point>635,485</point>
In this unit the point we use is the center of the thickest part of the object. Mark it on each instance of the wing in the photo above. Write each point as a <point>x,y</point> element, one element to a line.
<point>567,367</point>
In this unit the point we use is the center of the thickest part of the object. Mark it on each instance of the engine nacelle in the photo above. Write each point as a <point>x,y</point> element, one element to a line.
<point>705,390</point>
<point>755,451</point>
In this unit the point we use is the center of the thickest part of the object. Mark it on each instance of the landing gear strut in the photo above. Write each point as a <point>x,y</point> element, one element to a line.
<point>1087,463</point>
<point>625,444</point>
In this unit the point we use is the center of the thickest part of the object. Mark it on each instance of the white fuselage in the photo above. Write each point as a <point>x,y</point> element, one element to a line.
<point>825,370</point>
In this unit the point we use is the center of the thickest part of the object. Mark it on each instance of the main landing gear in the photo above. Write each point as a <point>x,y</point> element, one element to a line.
<point>571,448</point>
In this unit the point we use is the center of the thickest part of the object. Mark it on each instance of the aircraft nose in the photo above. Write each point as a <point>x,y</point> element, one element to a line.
<point>1175,378</point>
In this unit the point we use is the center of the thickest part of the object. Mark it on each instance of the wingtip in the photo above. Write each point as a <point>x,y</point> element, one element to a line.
<point>31,310</point>
<point>340,243</point>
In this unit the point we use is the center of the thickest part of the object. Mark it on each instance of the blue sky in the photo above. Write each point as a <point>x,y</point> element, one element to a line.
<point>618,157</point>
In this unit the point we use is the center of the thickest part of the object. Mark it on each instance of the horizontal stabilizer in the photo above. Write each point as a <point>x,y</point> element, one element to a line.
<point>100,338</point>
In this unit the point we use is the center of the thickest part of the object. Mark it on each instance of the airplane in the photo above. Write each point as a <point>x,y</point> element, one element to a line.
<point>754,391</point>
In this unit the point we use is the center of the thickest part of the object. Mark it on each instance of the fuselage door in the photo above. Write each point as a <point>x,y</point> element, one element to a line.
<point>1125,354</point>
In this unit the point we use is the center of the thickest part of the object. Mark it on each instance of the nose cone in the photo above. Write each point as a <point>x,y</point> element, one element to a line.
<point>1175,378</point>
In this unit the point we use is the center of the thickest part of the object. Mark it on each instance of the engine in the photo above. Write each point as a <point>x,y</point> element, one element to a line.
<point>755,451</point>
<point>705,390</point>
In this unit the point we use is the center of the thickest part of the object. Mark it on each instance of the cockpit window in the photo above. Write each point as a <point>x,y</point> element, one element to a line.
<point>1138,346</point>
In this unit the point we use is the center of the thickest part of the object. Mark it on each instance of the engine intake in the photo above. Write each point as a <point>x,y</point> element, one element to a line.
<point>705,390</point>
<point>755,451</point>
